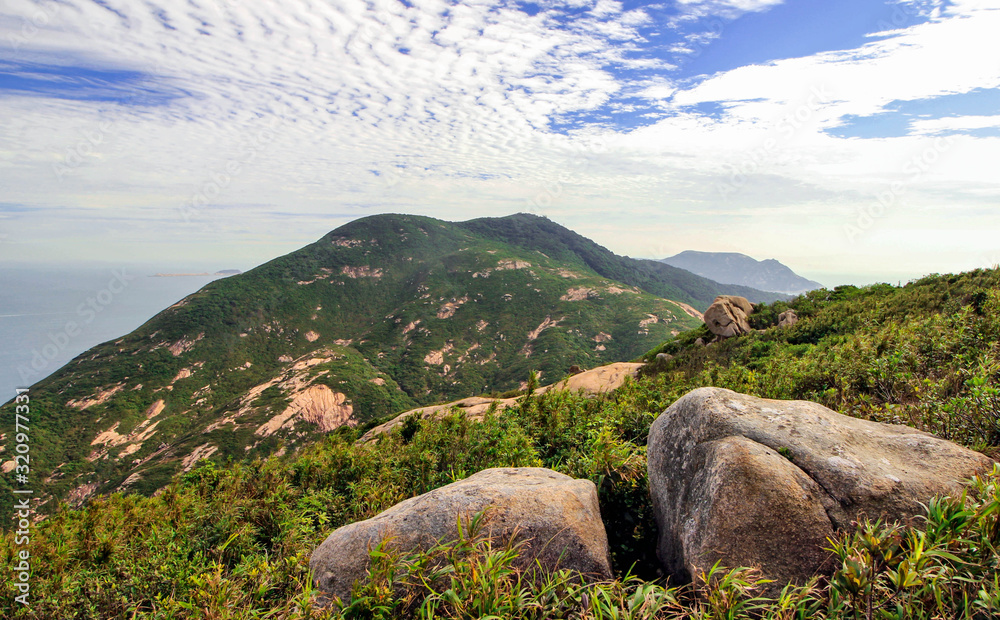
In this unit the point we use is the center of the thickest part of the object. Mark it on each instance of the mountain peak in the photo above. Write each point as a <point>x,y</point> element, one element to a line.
<point>380,315</point>
<point>740,269</point>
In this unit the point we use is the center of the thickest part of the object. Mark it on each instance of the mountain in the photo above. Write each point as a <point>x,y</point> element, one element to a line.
<point>381,315</point>
<point>234,541</point>
<point>734,268</point>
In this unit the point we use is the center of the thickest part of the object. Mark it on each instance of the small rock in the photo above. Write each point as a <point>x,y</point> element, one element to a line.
<point>787,318</point>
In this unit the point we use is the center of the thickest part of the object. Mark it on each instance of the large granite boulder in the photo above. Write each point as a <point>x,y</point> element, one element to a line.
<point>755,482</point>
<point>557,515</point>
<point>727,316</point>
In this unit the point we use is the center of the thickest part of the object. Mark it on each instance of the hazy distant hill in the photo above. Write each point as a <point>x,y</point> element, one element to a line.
<point>740,269</point>
<point>378,316</point>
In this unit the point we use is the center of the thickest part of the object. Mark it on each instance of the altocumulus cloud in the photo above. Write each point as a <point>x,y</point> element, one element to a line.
<point>129,111</point>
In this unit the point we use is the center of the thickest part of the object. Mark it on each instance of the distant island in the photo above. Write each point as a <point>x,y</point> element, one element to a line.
<point>740,269</point>
<point>223,272</point>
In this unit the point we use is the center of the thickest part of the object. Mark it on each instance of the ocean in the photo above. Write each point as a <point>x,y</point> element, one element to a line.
<point>50,314</point>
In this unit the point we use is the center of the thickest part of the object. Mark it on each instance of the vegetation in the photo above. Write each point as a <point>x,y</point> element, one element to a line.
<point>926,354</point>
<point>542,235</point>
<point>390,311</point>
<point>233,541</point>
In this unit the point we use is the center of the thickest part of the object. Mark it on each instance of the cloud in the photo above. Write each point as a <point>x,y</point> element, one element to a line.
<point>959,124</point>
<point>458,110</point>
<point>725,9</point>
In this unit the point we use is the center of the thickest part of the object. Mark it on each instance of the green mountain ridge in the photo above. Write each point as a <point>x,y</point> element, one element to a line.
<point>380,315</point>
<point>653,276</point>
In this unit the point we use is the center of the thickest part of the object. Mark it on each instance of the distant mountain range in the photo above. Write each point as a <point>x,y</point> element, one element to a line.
<point>379,316</point>
<point>740,269</point>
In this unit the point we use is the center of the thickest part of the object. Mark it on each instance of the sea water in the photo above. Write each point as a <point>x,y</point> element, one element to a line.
<point>49,314</point>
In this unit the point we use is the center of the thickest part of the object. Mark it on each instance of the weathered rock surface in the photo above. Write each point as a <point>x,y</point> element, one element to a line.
<point>597,380</point>
<point>787,318</point>
<point>558,516</point>
<point>754,482</point>
<point>475,407</point>
<point>589,382</point>
<point>727,316</point>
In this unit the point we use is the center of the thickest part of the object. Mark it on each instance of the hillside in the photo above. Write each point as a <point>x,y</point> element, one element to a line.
<point>235,541</point>
<point>740,269</point>
<point>926,354</point>
<point>679,284</point>
<point>379,316</point>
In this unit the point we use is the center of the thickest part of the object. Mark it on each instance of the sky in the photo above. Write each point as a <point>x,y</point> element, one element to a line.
<point>855,140</point>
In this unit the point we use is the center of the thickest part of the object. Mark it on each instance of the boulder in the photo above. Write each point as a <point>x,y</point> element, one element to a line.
<point>727,316</point>
<point>754,482</point>
<point>557,515</point>
<point>787,318</point>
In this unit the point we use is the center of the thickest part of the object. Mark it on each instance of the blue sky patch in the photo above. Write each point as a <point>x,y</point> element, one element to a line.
<point>794,29</point>
<point>84,84</point>
<point>978,102</point>
<point>896,121</point>
<point>885,125</point>
<point>982,132</point>
<point>529,7</point>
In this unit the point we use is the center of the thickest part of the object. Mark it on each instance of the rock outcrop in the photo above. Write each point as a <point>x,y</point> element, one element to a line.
<point>589,383</point>
<point>754,482</point>
<point>787,318</point>
<point>596,380</point>
<point>727,316</point>
<point>474,407</point>
<point>556,515</point>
